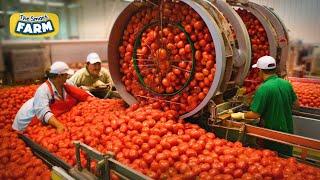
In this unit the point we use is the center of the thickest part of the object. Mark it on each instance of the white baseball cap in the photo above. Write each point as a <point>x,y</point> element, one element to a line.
<point>60,67</point>
<point>265,62</point>
<point>93,58</point>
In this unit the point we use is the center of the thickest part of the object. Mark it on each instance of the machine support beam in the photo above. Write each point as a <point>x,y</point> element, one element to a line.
<point>126,171</point>
<point>278,136</point>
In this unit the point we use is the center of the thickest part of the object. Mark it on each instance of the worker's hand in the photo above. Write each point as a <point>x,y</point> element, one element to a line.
<point>108,86</point>
<point>237,116</point>
<point>61,128</point>
<point>53,121</point>
<point>99,84</point>
<point>249,98</point>
<point>241,91</point>
<point>86,88</point>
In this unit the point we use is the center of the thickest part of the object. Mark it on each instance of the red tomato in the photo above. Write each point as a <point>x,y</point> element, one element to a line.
<point>198,25</point>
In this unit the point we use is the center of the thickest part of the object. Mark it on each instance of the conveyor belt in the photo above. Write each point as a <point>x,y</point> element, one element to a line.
<point>277,136</point>
<point>45,155</point>
<point>307,112</point>
<point>121,170</point>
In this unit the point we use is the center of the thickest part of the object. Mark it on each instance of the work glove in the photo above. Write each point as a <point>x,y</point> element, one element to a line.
<point>237,116</point>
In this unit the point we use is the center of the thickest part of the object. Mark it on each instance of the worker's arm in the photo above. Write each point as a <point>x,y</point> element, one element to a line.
<point>86,88</point>
<point>296,104</point>
<point>53,121</point>
<point>106,77</point>
<point>257,106</point>
<point>41,104</point>
<point>99,83</point>
<point>295,100</point>
<point>72,81</point>
<point>247,115</point>
<point>251,115</point>
<point>77,78</point>
<point>42,109</point>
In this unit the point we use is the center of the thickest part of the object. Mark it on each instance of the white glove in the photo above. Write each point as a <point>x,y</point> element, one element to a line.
<point>237,116</point>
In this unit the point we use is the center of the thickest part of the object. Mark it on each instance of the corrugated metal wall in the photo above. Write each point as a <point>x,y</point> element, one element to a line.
<point>301,17</point>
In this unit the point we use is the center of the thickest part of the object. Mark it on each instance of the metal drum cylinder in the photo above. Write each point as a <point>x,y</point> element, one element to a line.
<point>209,17</point>
<point>232,47</point>
<point>277,35</point>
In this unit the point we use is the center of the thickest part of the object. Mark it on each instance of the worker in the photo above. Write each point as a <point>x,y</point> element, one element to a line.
<point>51,99</point>
<point>272,103</point>
<point>93,76</point>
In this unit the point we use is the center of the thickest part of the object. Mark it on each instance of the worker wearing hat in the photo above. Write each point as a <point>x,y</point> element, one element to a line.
<point>92,76</point>
<point>51,99</point>
<point>272,103</point>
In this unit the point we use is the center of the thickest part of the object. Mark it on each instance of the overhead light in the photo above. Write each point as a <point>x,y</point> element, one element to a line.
<point>56,4</point>
<point>8,12</point>
<point>73,5</point>
<point>39,2</point>
<point>25,1</point>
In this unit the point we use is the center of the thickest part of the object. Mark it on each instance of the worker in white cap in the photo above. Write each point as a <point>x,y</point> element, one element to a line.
<point>93,77</point>
<point>272,103</point>
<point>51,99</point>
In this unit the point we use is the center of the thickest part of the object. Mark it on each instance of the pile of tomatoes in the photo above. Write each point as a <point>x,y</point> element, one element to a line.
<point>17,160</point>
<point>11,99</point>
<point>259,46</point>
<point>165,57</point>
<point>150,137</point>
<point>308,93</point>
<point>154,142</point>
<point>85,122</point>
<point>160,145</point>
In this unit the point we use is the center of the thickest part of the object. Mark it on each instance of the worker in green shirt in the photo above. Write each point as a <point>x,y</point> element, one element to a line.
<point>272,103</point>
<point>93,77</point>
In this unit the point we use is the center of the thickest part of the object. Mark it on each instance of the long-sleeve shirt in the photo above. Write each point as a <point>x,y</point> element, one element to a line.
<point>37,106</point>
<point>83,78</point>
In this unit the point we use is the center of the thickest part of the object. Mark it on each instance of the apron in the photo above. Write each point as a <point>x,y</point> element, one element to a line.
<point>58,106</point>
